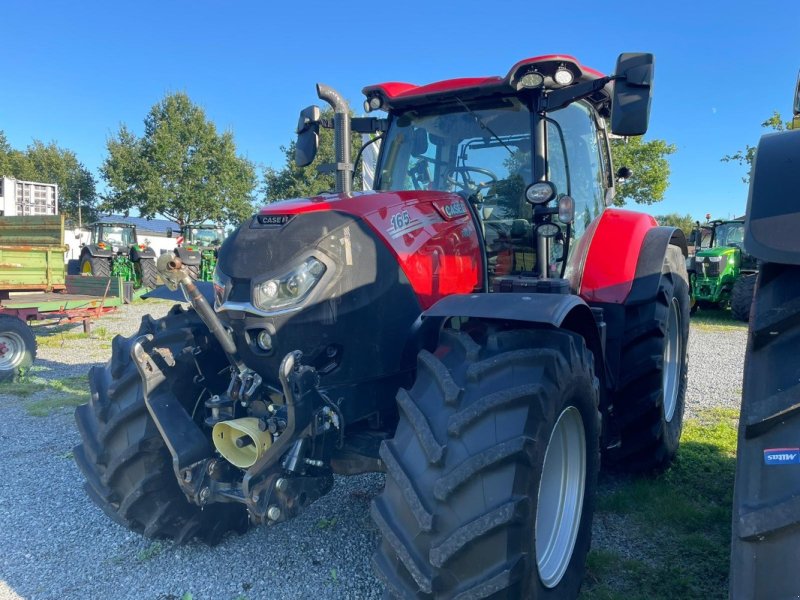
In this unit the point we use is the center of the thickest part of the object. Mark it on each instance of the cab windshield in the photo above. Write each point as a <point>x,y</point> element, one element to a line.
<point>116,236</point>
<point>205,237</point>
<point>729,234</point>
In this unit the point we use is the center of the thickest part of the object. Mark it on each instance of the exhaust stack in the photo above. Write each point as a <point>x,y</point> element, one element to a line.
<point>341,136</point>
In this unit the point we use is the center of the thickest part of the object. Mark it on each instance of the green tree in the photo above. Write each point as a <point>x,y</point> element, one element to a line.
<point>745,157</point>
<point>292,181</point>
<point>685,223</point>
<point>649,169</point>
<point>181,168</point>
<point>48,163</point>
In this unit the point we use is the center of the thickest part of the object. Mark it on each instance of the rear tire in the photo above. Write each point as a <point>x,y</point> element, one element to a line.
<point>194,271</point>
<point>742,297</point>
<point>765,535</point>
<point>73,267</point>
<point>149,273</point>
<point>127,465</point>
<point>17,347</point>
<point>96,266</point>
<point>649,403</point>
<point>466,511</point>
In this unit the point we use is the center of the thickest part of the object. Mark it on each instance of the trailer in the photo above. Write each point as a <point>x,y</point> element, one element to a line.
<point>34,287</point>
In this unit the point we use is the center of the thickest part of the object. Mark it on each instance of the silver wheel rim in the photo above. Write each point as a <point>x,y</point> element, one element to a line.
<point>672,354</point>
<point>560,502</point>
<point>12,350</point>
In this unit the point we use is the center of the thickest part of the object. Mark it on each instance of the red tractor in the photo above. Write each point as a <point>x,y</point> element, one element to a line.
<point>479,327</point>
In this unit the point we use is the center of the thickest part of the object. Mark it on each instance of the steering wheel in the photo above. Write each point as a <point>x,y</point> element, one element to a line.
<point>467,183</point>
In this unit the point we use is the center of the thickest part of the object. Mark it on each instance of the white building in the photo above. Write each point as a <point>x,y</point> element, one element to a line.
<point>23,198</point>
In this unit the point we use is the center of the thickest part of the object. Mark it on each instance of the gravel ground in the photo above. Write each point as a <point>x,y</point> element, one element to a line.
<point>56,544</point>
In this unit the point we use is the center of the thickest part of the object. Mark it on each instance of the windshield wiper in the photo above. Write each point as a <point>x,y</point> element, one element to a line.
<point>483,125</point>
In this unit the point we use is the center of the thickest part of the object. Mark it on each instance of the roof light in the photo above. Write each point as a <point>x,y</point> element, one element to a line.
<point>563,76</point>
<point>373,103</point>
<point>532,79</point>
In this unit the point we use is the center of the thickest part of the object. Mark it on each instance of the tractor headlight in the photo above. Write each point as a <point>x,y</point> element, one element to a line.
<point>714,258</point>
<point>289,289</point>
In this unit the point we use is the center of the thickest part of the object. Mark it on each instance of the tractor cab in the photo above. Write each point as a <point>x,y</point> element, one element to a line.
<point>117,236</point>
<point>203,236</point>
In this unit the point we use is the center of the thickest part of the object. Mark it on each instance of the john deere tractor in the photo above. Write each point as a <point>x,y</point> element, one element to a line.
<point>198,247</point>
<point>722,273</point>
<point>113,251</point>
<point>479,326</point>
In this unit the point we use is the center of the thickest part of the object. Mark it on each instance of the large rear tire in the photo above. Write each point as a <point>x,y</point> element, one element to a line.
<point>149,273</point>
<point>649,403</point>
<point>17,347</point>
<point>97,266</point>
<point>742,297</point>
<point>492,470</point>
<point>766,500</point>
<point>127,466</point>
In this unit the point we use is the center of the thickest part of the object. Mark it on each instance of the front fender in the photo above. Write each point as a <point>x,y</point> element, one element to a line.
<point>95,250</point>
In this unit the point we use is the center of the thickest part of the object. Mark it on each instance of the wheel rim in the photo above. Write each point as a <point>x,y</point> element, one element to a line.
<point>560,502</point>
<point>12,350</point>
<point>672,355</point>
<point>86,268</point>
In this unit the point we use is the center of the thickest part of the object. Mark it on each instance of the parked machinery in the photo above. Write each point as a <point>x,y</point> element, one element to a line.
<point>114,251</point>
<point>478,326</point>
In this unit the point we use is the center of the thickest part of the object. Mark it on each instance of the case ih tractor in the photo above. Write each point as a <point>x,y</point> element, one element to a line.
<point>198,248</point>
<point>722,273</point>
<point>478,327</point>
<point>114,251</point>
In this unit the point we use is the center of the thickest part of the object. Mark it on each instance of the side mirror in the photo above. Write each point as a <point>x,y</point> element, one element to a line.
<point>419,142</point>
<point>169,232</point>
<point>630,106</point>
<point>307,136</point>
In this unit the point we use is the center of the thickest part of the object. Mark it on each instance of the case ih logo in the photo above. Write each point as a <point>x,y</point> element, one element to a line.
<point>273,220</point>
<point>782,456</point>
<point>454,209</point>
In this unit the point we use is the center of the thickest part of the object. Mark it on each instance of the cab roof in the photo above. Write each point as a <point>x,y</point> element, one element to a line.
<point>397,95</point>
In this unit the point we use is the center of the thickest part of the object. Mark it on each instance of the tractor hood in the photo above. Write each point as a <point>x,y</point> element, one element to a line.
<point>719,251</point>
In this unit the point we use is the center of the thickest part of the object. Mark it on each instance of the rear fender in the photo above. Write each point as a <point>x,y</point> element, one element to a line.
<point>95,250</point>
<point>563,311</point>
<point>773,213</point>
<point>188,257</point>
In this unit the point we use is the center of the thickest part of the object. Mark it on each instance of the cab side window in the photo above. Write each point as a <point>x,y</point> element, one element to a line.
<point>584,166</point>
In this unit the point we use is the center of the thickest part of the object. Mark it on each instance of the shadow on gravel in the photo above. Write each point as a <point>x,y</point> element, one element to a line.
<point>668,536</point>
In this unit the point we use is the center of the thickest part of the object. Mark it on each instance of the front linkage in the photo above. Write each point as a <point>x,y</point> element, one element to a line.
<point>272,489</point>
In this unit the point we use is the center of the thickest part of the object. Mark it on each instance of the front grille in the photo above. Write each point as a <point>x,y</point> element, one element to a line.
<point>240,290</point>
<point>711,269</point>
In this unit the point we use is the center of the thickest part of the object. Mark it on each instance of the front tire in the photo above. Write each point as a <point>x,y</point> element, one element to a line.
<point>127,465</point>
<point>742,297</point>
<point>491,474</point>
<point>649,403</point>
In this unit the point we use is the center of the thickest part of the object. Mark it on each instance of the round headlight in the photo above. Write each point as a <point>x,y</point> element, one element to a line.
<point>563,76</point>
<point>264,340</point>
<point>270,288</point>
<point>547,230</point>
<point>540,192</point>
<point>531,80</point>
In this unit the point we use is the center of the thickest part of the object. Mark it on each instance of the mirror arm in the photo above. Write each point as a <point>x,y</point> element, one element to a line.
<point>560,98</point>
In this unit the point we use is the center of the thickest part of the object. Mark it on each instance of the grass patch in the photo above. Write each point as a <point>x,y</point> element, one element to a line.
<point>60,339</point>
<point>683,514</point>
<point>51,394</point>
<point>150,552</point>
<point>711,319</point>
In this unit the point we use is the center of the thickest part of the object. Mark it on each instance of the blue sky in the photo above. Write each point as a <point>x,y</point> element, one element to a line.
<point>74,71</point>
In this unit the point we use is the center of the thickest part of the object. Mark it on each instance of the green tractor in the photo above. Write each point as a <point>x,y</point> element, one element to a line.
<point>198,246</point>
<point>113,251</point>
<point>722,274</point>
